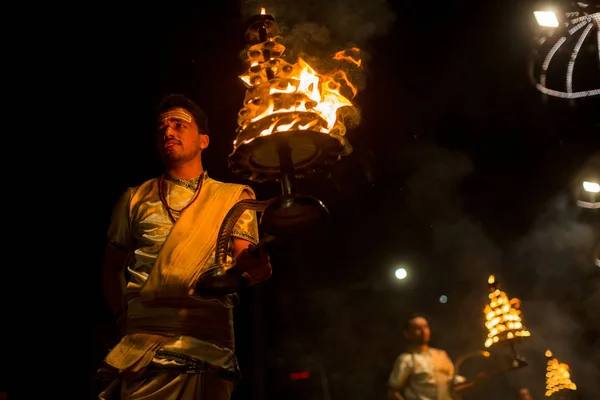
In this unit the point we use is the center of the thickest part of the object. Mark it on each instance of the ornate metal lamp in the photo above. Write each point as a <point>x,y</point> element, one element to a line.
<point>504,321</point>
<point>558,377</point>
<point>504,325</point>
<point>565,62</point>
<point>291,125</point>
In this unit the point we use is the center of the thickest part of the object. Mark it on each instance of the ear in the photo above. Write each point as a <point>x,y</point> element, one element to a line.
<point>204,141</point>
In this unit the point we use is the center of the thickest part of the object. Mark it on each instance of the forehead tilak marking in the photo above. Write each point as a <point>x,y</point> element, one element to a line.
<point>177,113</point>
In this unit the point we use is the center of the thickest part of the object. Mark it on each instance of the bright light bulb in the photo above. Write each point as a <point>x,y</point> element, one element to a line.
<point>546,18</point>
<point>401,273</point>
<point>591,187</point>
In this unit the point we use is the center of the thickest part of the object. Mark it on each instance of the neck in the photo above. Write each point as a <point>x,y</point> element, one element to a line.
<point>419,347</point>
<point>185,171</point>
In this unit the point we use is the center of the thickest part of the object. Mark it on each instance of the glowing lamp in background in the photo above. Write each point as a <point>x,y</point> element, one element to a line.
<point>503,317</point>
<point>566,54</point>
<point>292,124</point>
<point>591,187</point>
<point>504,323</point>
<point>558,377</point>
<point>587,184</point>
<point>546,19</point>
<point>589,195</point>
<point>400,273</point>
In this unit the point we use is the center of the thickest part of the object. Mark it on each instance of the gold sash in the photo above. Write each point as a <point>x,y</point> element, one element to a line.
<point>183,256</point>
<point>190,244</point>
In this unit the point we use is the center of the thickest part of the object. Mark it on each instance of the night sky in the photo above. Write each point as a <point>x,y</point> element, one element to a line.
<point>460,169</point>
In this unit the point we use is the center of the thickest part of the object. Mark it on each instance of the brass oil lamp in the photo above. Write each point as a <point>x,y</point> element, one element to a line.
<point>290,126</point>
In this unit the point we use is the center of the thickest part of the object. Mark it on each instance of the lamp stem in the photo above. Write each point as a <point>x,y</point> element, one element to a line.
<point>287,179</point>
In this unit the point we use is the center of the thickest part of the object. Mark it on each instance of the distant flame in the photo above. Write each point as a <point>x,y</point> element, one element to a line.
<point>557,376</point>
<point>294,88</point>
<point>263,11</point>
<point>503,317</point>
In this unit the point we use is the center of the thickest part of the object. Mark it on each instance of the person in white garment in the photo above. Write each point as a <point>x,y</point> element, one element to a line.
<point>423,372</point>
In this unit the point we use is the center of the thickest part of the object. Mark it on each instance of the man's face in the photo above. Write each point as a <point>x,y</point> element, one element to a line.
<point>418,331</point>
<point>524,394</point>
<point>177,137</point>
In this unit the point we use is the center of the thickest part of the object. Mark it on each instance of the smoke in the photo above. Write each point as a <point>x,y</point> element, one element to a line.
<point>562,306</point>
<point>360,325</point>
<point>316,30</point>
<point>460,253</point>
<point>549,267</point>
<point>340,23</point>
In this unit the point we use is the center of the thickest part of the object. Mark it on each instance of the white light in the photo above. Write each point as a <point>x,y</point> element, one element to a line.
<point>401,273</point>
<point>546,18</point>
<point>591,187</point>
<point>443,299</point>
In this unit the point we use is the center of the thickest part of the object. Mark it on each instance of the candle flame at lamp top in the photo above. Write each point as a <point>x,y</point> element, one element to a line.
<point>263,11</point>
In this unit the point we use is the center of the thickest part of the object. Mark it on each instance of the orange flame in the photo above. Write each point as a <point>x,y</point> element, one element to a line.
<point>295,88</point>
<point>342,55</point>
<point>557,376</point>
<point>263,11</point>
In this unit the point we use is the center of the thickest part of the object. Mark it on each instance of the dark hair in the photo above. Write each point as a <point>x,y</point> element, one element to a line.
<point>178,100</point>
<point>413,316</point>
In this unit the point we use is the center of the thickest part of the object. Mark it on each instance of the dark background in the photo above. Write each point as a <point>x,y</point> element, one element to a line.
<point>460,169</point>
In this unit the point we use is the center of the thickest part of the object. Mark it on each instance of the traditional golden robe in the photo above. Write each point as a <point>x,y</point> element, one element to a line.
<point>425,375</point>
<point>166,323</point>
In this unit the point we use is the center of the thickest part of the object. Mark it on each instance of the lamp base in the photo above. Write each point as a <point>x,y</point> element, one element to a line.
<point>291,215</point>
<point>258,160</point>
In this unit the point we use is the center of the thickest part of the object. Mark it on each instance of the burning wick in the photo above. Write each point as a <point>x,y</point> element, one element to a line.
<point>263,11</point>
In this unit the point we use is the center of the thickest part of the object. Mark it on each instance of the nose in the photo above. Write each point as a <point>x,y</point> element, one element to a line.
<point>168,132</point>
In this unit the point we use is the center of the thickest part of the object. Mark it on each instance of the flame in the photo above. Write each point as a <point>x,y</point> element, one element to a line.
<point>341,55</point>
<point>263,11</point>
<point>294,88</point>
<point>557,376</point>
<point>503,317</point>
